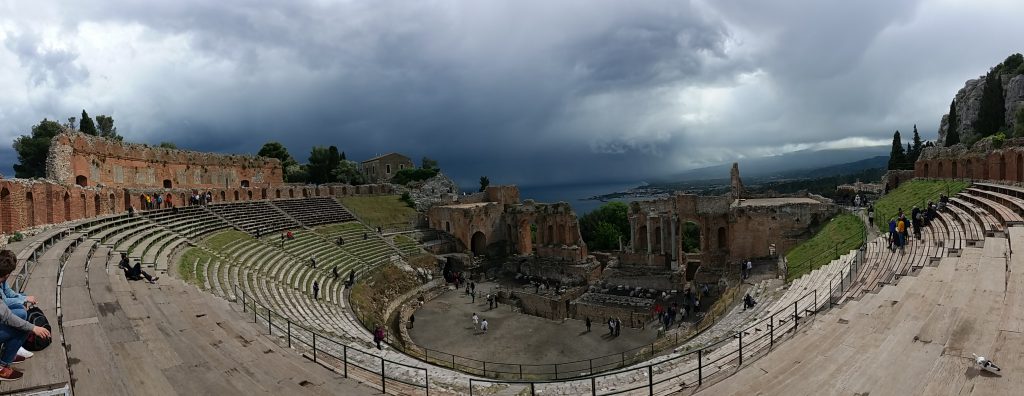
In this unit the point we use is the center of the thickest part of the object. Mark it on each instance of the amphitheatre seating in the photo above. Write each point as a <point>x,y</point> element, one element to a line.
<point>406,245</point>
<point>989,223</point>
<point>314,211</point>
<point>360,241</point>
<point>1014,204</point>
<point>251,216</point>
<point>190,221</point>
<point>1003,214</point>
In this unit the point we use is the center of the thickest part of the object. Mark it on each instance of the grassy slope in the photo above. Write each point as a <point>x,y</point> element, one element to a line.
<point>380,210</point>
<point>846,230</point>
<point>914,192</point>
<point>216,243</point>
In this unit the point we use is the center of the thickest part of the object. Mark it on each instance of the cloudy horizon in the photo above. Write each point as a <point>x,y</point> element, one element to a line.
<point>525,92</point>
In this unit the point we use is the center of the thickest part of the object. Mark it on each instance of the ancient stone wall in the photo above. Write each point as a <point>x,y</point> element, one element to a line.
<point>632,311</point>
<point>78,158</point>
<point>754,230</point>
<point>979,162</point>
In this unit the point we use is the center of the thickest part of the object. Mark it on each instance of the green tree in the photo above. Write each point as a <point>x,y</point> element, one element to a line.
<point>296,173</point>
<point>1012,64</point>
<point>952,126</point>
<point>107,128</point>
<point>427,163</point>
<point>918,145</point>
<point>484,182</point>
<point>86,125</point>
<point>602,228</point>
<point>348,172</point>
<point>168,145</point>
<point>897,157</point>
<point>33,148</point>
<point>289,166</point>
<point>992,110</point>
<point>322,161</point>
<point>691,237</point>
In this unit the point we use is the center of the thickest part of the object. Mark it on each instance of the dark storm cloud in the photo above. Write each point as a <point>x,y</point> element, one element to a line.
<point>523,91</point>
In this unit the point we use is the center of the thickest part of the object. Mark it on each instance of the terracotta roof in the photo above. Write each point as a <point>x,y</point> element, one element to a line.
<point>385,155</point>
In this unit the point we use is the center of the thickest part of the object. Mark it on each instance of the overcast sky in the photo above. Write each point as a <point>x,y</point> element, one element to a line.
<point>529,92</point>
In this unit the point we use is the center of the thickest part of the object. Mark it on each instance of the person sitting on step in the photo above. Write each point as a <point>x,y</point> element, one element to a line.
<point>135,272</point>
<point>13,329</point>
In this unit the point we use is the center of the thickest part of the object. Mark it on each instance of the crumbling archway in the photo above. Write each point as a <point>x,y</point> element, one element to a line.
<point>926,174</point>
<point>67,206</point>
<point>96,204</point>
<point>723,240</point>
<point>641,239</point>
<point>1002,167</point>
<point>236,195</point>
<point>478,243</point>
<point>167,183</point>
<point>31,209</point>
<point>112,203</point>
<point>691,238</point>
<point>81,180</point>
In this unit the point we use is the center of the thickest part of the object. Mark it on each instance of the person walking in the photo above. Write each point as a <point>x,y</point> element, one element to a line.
<point>378,336</point>
<point>871,216</point>
<point>611,327</point>
<point>412,320</point>
<point>750,268</point>
<point>476,320</point>
<point>316,290</point>
<point>472,286</point>
<point>587,321</point>
<point>473,296</point>
<point>483,326</point>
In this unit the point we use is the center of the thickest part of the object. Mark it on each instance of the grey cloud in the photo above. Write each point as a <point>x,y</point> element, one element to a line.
<point>55,66</point>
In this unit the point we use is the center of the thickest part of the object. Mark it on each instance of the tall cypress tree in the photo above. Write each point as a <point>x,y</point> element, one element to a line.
<point>918,144</point>
<point>952,126</point>
<point>86,125</point>
<point>897,157</point>
<point>992,112</point>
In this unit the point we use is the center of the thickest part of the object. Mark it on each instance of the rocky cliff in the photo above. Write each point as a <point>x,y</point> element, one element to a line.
<point>968,100</point>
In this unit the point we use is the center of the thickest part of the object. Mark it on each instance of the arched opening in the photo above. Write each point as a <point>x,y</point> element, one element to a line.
<point>249,193</point>
<point>167,183</point>
<point>291,193</point>
<point>723,242</point>
<point>549,236</point>
<point>85,205</point>
<point>955,173</point>
<point>112,203</point>
<point>330,190</point>
<point>691,237</point>
<point>67,206</point>
<point>656,240</point>
<point>127,200</point>
<point>81,180</point>
<point>561,235</point>
<point>31,209</point>
<point>277,194</point>
<point>641,239</point>
<point>305,193</point>
<point>316,191</point>
<point>96,204</point>
<point>223,196</point>
<point>940,170</point>
<point>1020,167</point>
<point>448,227</point>
<point>478,244</point>
<point>926,170</point>
<point>6,212</point>
<point>245,184</point>
<point>236,195</point>
<point>968,169</point>
<point>1002,167</point>
<point>263,193</point>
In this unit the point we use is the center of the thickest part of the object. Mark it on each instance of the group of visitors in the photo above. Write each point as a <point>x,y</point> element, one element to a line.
<point>746,269</point>
<point>156,201</point>
<point>666,316</point>
<point>901,225</point>
<point>614,326</point>
<point>482,323</point>
<point>199,198</point>
<point>14,326</point>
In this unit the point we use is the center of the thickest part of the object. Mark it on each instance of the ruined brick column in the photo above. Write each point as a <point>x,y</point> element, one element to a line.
<point>648,234</point>
<point>674,221</point>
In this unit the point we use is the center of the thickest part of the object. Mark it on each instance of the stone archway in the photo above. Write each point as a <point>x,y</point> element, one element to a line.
<point>723,240</point>
<point>940,174</point>
<point>1002,167</point>
<point>236,195</point>
<point>96,204</point>
<point>926,170</point>
<point>6,212</point>
<point>478,244</point>
<point>691,237</point>
<point>112,204</point>
<point>81,180</point>
<point>641,239</point>
<point>67,206</point>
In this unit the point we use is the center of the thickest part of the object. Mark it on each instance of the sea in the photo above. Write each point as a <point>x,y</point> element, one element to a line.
<point>576,195</point>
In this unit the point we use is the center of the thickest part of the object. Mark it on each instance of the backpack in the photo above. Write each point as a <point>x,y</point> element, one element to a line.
<point>34,343</point>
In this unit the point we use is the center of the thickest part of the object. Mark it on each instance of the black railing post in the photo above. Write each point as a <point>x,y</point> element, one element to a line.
<point>485,369</point>
<point>470,387</point>
<point>344,359</point>
<point>700,367</point>
<point>650,379</point>
<point>771,332</point>
<point>533,390</point>
<point>591,366</point>
<point>314,347</point>
<point>270,323</point>
<point>556,371</point>
<point>426,380</point>
<point>289,332</point>
<point>741,347</point>
<point>520,371</point>
<point>830,293</point>
<point>593,386</point>
<point>796,316</point>
<point>383,380</point>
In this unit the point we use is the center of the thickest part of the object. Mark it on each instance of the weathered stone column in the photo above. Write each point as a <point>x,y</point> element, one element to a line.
<point>663,237</point>
<point>673,222</point>
<point>648,234</point>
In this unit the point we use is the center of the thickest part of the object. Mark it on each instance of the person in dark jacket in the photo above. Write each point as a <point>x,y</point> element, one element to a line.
<point>13,329</point>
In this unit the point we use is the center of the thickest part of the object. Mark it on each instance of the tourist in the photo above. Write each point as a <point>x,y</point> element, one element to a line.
<point>892,233</point>
<point>472,286</point>
<point>750,269</point>
<point>472,294</point>
<point>586,321</point>
<point>167,202</point>
<point>856,201</point>
<point>159,201</point>
<point>312,261</point>
<point>365,236</point>
<point>618,326</point>
<point>476,320</point>
<point>282,239</point>
<point>131,211</point>
<point>135,272</point>
<point>748,302</point>
<point>316,290</point>
<point>334,272</point>
<point>341,241</point>
<point>901,233</point>
<point>412,320</point>
<point>611,327</point>
<point>209,197</point>
<point>378,336</point>
<point>483,326</point>
<point>351,277</point>
<point>13,329</point>
<point>871,216</point>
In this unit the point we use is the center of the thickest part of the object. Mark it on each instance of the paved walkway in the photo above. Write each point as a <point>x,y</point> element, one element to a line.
<point>445,324</point>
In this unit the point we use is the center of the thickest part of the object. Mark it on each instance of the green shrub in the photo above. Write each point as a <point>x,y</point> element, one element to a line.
<point>17,237</point>
<point>405,176</point>
<point>408,199</point>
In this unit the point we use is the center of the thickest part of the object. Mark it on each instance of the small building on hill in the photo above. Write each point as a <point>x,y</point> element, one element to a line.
<point>383,168</point>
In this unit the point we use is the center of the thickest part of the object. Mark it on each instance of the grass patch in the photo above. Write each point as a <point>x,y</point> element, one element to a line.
<point>221,239</point>
<point>845,230</point>
<point>187,266</point>
<point>914,192</point>
<point>371,295</point>
<point>380,210</point>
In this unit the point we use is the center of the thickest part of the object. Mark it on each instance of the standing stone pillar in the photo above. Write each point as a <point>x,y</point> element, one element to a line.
<point>648,234</point>
<point>663,237</point>
<point>632,234</point>
<point>672,223</point>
